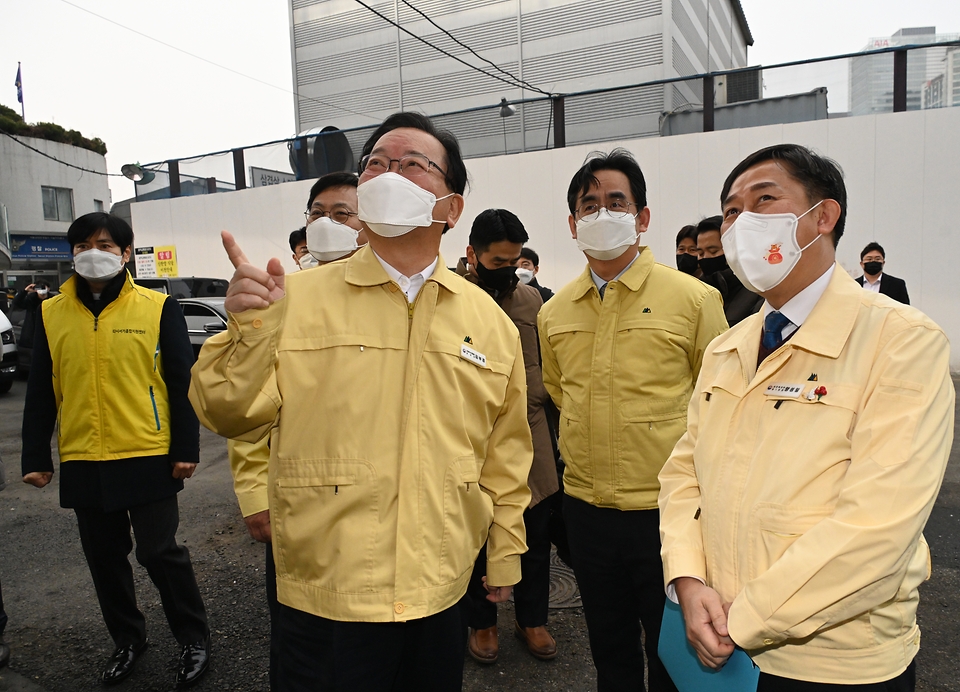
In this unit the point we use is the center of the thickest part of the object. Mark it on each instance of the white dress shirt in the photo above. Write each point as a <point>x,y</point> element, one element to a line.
<point>872,285</point>
<point>410,285</point>
<point>798,308</point>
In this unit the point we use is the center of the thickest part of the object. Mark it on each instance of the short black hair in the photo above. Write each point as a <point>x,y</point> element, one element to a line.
<point>456,170</point>
<point>494,225</point>
<point>822,178</point>
<point>530,254</point>
<point>96,221</point>
<point>41,284</point>
<point>617,160</point>
<point>690,232</point>
<point>338,179</point>
<point>296,237</point>
<point>873,247</point>
<point>711,223</point>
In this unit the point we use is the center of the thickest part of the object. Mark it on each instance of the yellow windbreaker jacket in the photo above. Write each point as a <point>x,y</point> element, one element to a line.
<point>115,371</point>
<point>621,371</point>
<point>399,436</point>
<point>805,509</point>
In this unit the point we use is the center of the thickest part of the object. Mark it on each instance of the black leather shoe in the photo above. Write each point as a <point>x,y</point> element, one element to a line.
<point>194,659</point>
<point>121,663</point>
<point>4,654</point>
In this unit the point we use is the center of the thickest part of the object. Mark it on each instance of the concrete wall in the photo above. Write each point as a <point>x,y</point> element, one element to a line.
<point>901,172</point>
<point>23,172</point>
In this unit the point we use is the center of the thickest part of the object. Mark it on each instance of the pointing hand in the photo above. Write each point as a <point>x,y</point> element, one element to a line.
<point>251,288</point>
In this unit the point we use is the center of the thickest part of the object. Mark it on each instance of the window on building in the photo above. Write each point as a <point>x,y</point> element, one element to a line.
<point>57,203</point>
<point>98,205</point>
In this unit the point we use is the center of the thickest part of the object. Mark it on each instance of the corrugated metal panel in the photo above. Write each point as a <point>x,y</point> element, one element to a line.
<point>584,16</point>
<point>374,98</point>
<point>418,93</point>
<point>681,63</point>
<point>718,11</point>
<point>699,8</point>
<point>643,51</point>
<point>619,104</point>
<point>300,4</point>
<point>339,65</point>
<point>341,25</point>
<point>438,8</point>
<point>480,37</point>
<point>682,21</point>
<point>720,47</point>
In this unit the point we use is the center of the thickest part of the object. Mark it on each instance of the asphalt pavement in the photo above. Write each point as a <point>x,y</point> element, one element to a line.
<point>59,642</point>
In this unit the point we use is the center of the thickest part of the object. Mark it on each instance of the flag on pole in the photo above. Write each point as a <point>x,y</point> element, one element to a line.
<point>19,85</point>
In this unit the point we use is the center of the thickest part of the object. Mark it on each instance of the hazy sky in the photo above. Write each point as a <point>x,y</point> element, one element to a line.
<point>149,102</point>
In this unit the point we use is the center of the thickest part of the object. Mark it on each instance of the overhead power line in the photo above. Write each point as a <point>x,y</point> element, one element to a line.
<point>460,43</point>
<point>63,163</point>
<point>215,64</point>
<point>441,50</point>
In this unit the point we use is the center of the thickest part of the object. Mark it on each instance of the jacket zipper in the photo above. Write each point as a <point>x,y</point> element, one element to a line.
<point>153,400</point>
<point>96,350</point>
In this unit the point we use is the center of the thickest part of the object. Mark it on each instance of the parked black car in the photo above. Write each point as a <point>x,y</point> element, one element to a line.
<point>186,286</point>
<point>205,317</point>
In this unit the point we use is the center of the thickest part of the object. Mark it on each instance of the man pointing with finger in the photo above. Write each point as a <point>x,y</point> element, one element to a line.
<point>396,410</point>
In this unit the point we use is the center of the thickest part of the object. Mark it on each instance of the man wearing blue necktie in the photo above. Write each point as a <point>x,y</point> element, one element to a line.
<point>792,509</point>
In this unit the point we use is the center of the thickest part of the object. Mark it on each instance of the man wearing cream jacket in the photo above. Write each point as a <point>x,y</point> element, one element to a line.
<point>396,409</point>
<point>817,438</point>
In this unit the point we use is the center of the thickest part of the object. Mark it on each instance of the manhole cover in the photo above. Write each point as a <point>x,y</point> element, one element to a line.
<point>563,585</point>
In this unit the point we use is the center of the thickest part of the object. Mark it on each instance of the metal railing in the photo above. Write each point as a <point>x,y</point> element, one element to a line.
<point>892,79</point>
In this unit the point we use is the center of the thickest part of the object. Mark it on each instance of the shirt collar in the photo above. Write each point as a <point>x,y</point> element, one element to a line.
<point>873,283</point>
<point>410,285</point>
<point>601,282</point>
<point>798,308</point>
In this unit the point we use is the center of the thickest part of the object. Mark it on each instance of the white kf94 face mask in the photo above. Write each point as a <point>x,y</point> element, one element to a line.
<point>525,275</point>
<point>307,261</point>
<point>97,265</point>
<point>762,249</point>
<point>328,240</point>
<point>392,206</point>
<point>606,236</point>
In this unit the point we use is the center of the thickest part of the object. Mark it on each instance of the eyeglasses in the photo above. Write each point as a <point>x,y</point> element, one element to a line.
<point>409,166</point>
<point>617,208</point>
<point>340,216</point>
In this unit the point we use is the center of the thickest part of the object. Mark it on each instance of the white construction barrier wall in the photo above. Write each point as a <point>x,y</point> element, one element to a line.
<point>902,172</point>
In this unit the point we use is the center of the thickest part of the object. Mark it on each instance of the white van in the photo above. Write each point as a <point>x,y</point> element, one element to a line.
<point>8,365</point>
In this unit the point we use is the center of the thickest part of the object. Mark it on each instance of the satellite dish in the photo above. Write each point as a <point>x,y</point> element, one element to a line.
<point>327,151</point>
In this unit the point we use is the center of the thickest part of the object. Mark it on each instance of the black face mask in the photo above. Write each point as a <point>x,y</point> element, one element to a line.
<point>498,279</point>
<point>872,268</point>
<point>711,265</point>
<point>687,263</point>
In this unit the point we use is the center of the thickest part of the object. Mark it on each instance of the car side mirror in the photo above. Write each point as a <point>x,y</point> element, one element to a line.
<point>214,327</point>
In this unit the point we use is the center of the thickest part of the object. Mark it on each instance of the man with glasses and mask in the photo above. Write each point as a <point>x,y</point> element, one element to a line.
<point>792,509</point>
<point>621,350</point>
<point>396,409</point>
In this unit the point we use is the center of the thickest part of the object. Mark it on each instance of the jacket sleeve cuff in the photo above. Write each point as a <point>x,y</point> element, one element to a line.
<point>504,572</point>
<point>684,563</point>
<point>253,501</point>
<point>746,628</point>
<point>255,324</point>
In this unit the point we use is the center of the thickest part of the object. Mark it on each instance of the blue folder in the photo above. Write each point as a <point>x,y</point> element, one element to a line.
<point>739,674</point>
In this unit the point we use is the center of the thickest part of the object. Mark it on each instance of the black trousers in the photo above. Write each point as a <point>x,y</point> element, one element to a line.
<point>317,654</point>
<point>616,559</point>
<point>905,682</point>
<point>531,596</point>
<point>273,605</point>
<point>106,541</point>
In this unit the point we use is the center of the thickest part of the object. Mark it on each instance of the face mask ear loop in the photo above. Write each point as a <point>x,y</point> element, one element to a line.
<point>818,234</point>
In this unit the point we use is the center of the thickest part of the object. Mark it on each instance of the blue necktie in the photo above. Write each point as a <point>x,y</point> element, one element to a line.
<point>773,325</point>
<point>603,289</point>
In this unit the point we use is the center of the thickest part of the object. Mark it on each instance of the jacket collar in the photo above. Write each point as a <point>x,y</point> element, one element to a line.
<point>633,278</point>
<point>363,269</point>
<point>826,330</point>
